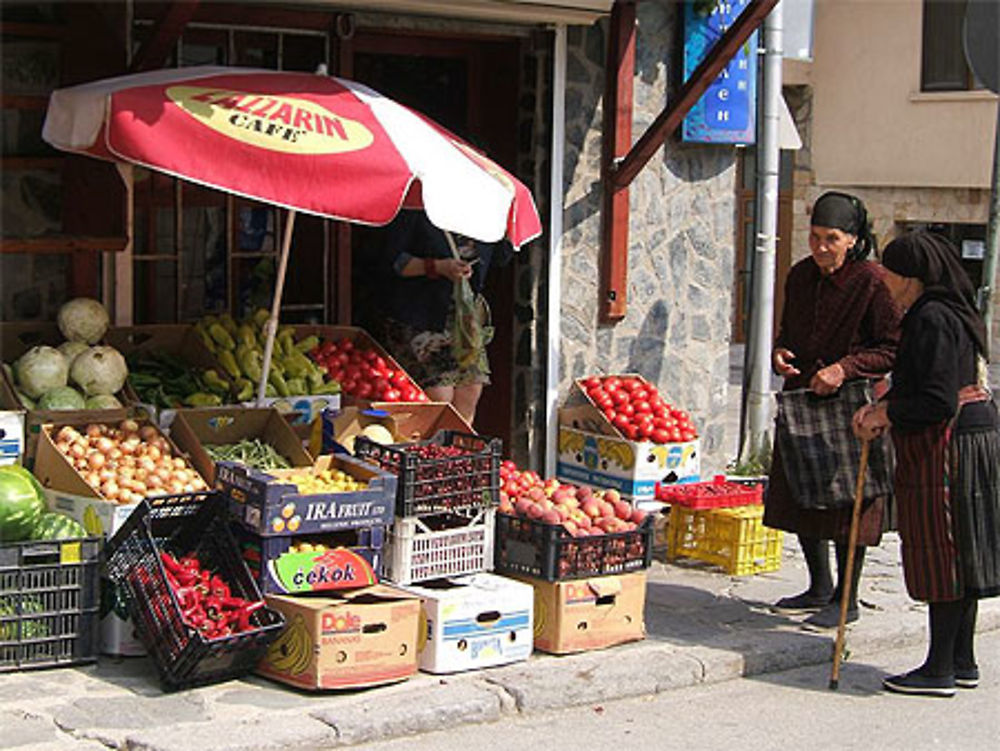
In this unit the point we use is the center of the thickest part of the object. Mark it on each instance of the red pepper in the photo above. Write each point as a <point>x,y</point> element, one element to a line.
<point>187,597</point>
<point>213,607</point>
<point>195,617</point>
<point>219,588</point>
<point>234,603</point>
<point>170,563</point>
<point>244,613</point>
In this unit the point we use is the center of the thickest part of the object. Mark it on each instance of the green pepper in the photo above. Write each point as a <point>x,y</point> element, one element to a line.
<point>221,336</point>
<point>315,380</point>
<point>206,338</point>
<point>269,390</point>
<point>245,335</point>
<point>228,361</point>
<point>296,366</point>
<point>260,316</point>
<point>251,362</point>
<point>278,381</point>
<point>243,390</point>
<point>297,386</point>
<point>228,323</point>
<point>201,399</point>
<point>330,387</point>
<point>308,344</point>
<point>214,382</point>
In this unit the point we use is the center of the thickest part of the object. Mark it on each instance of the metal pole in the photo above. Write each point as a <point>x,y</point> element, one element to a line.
<point>989,281</point>
<point>761,334</point>
<point>272,322</point>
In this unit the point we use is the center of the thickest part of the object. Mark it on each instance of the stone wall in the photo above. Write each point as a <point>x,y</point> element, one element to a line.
<point>681,255</point>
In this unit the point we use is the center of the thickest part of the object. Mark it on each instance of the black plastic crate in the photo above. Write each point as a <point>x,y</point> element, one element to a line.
<point>470,480</point>
<point>49,603</point>
<point>547,551</point>
<point>181,525</point>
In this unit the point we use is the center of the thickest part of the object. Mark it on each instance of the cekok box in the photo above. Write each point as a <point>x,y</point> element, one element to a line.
<point>475,621</point>
<point>350,639</point>
<point>584,614</point>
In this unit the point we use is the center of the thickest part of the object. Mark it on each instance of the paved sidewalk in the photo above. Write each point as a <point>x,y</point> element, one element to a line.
<point>703,627</point>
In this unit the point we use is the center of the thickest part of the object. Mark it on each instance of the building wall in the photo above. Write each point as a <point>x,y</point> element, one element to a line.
<point>871,118</point>
<point>681,231</point>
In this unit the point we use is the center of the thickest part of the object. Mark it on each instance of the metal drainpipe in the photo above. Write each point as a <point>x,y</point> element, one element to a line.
<point>757,399</point>
<point>555,249</point>
<point>988,287</point>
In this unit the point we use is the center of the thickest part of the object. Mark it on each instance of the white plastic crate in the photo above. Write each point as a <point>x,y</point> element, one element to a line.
<point>417,551</point>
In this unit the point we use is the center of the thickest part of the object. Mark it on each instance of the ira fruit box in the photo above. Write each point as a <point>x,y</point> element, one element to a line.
<point>346,639</point>
<point>273,503</point>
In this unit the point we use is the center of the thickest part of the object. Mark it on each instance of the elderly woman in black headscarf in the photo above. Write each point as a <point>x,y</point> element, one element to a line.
<point>838,324</point>
<point>947,436</point>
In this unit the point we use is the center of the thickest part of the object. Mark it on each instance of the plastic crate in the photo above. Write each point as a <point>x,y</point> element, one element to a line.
<point>717,493</point>
<point>529,547</point>
<point>443,545</point>
<point>732,538</point>
<point>49,603</point>
<point>431,486</point>
<point>199,524</point>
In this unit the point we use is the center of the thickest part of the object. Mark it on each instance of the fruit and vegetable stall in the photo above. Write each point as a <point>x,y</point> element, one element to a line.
<point>343,532</point>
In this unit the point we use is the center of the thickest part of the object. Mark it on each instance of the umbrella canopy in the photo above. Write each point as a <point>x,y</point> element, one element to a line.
<point>312,143</point>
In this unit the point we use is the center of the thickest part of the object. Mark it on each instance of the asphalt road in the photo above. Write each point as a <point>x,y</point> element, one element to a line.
<point>790,710</point>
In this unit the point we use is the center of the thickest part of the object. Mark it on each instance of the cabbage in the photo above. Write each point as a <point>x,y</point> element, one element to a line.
<point>41,369</point>
<point>64,397</point>
<point>71,349</point>
<point>103,401</point>
<point>25,400</point>
<point>99,370</point>
<point>83,320</point>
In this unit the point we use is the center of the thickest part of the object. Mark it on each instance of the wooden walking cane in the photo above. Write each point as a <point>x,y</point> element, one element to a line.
<point>848,579</point>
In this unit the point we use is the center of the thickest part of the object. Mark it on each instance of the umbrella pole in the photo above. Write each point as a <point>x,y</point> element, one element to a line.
<point>272,321</point>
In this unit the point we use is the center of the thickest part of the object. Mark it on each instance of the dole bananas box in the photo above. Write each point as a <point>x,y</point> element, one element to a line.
<point>475,621</point>
<point>585,614</point>
<point>290,564</point>
<point>271,503</point>
<point>344,639</point>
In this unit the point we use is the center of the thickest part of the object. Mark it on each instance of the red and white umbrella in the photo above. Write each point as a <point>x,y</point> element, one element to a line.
<point>317,144</point>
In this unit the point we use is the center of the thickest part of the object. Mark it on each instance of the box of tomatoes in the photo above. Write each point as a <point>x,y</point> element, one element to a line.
<point>619,432</point>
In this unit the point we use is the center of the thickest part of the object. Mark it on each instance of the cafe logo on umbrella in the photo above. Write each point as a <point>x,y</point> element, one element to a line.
<point>278,123</point>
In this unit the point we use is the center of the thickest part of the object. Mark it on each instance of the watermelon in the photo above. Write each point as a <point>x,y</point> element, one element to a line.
<point>55,526</point>
<point>22,503</point>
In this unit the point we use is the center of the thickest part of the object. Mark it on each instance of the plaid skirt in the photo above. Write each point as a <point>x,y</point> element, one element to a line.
<point>948,496</point>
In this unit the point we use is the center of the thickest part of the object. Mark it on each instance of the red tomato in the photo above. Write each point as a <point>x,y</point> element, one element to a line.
<point>621,422</point>
<point>645,430</point>
<point>345,345</point>
<point>630,432</point>
<point>661,422</point>
<point>365,390</point>
<point>409,394</point>
<point>631,384</point>
<point>611,383</point>
<point>679,414</point>
<point>400,379</point>
<point>659,435</point>
<point>620,397</point>
<point>349,386</point>
<point>391,395</point>
<point>380,385</point>
<point>352,373</point>
<point>640,395</point>
<point>343,358</point>
<point>591,383</point>
<point>688,435</point>
<point>641,406</point>
<point>675,435</point>
<point>610,414</point>
<point>626,409</point>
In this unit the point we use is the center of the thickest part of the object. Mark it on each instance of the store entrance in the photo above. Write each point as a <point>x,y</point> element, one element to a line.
<point>470,87</point>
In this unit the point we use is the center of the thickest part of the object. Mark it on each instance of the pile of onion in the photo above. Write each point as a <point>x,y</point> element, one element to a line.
<point>127,463</point>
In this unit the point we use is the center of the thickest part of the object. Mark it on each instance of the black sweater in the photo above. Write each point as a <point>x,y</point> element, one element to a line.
<point>936,358</point>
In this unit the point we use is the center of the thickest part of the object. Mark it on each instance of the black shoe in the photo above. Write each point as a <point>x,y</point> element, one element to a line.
<point>829,617</point>
<point>918,684</point>
<point>801,603</point>
<point>967,677</point>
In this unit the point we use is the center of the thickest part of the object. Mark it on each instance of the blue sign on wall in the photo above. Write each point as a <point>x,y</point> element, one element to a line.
<point>726,112</point>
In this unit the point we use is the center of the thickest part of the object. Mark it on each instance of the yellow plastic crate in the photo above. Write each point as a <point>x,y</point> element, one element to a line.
<point>733,538</point>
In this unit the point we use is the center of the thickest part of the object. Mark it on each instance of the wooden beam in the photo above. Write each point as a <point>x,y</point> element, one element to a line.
<point>619,73</point>
<point>61,244</point>
<point>702,77</point>
<point>166,31</point>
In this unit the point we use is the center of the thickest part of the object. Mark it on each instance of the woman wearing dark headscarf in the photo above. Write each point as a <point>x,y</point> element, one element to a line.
<point>838,324</point>
<point>947,436</point>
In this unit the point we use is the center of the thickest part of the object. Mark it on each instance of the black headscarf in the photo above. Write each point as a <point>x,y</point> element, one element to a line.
<point>847,213</point>
<point>934,260</point>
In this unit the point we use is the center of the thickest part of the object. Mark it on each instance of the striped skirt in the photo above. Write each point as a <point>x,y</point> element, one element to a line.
<point>947,491</point>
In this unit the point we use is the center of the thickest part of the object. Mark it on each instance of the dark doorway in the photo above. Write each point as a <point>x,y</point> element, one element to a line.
<point>468,85</point>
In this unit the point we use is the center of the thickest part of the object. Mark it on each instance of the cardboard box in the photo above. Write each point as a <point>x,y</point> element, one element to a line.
<point>365,637</point>
<point>472,622</point>
<point>265,503</point>
<point>11,436</point>
<point>192,429</point>
<point>100,517</point>
<point>632,468</point>
<point>15,340</point>
<point>349,559</point>
<point>575,616</point>
<point>54,470</point>
<point>336,430</point>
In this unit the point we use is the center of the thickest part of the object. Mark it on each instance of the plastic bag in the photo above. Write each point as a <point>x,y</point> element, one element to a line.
<point>472,327</point>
